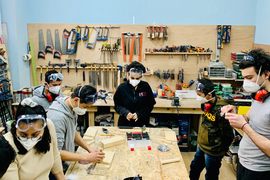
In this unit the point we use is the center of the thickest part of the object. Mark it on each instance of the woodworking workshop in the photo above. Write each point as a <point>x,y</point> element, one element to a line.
<point>134,90</point>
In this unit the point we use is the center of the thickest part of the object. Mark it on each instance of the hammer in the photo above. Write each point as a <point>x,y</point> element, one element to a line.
<point>57,64</point>
<point>83,66</point>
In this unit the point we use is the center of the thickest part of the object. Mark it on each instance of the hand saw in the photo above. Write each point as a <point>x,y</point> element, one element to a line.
<point>41,52</point>
<point>73,42</point>
<point>49,48</point>
<point>57,53</point>
<point>91,45</point>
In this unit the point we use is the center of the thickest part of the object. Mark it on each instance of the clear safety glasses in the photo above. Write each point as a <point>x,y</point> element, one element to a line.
<point>248,58</point>
<point>56,77</point>
<point>24,122</point>
<point>133,71</point>
<point>199,86</point>
<point>91,98</point>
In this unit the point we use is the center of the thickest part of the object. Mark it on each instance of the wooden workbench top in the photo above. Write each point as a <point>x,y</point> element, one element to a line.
<point>162,103</point>
<point>126,163</point>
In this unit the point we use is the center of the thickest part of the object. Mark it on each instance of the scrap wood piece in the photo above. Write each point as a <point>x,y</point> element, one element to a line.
<point>117,140</point>
<point>134,130</point>
<point>109,155</point>
<point>170,161</point>
<point>170,136</point>
<point>91,132</point>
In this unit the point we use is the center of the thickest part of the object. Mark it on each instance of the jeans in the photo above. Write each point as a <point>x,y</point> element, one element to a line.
<point>202,160</point>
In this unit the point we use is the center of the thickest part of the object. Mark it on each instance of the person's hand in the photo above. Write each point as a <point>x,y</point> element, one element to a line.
<point>135,117</point>
<point>94,156</point>
<point>236,120</point>
<point>91,150</point>
<point>129,116</point>
<point>228,109</point>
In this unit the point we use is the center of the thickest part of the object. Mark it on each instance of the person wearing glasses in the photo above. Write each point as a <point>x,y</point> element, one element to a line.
<point>33,138</point>
<point>254,148</point>
<point>45,94</point>
<point>215,133</point>
<point>134,99</point>
<point>64,114</point>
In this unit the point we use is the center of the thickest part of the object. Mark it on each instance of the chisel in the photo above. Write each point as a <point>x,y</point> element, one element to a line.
<point>90,76</point>
<point>153,32</point>
<point>40,72</point>
<point>107,77</point>
<point>98,76</point>
<point>94,76</point>
<point>115,76</point>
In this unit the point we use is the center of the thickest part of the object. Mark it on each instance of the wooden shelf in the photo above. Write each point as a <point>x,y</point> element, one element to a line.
<point>188,53</point>
<point>225,79</point>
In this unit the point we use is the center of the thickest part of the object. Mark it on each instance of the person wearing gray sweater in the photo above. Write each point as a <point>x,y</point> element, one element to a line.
<point>45,94</point>
<point>64,114</point>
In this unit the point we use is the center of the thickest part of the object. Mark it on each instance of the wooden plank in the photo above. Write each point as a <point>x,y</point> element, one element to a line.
<point>170,135</point>
<point>91,132</point>
<point>109,155</point>
<point>134,130</point>
<point>168,161</point>
<point>112,142</point>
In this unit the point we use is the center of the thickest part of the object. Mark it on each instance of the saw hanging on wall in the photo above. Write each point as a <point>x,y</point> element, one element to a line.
<point>73,42</point>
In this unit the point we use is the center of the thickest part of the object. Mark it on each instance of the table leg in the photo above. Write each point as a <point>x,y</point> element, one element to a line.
<point>91,118</point>
<point>116,117</point>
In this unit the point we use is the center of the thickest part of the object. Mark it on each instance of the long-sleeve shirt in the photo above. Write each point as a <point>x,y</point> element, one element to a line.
<point>32,165</point>
<point>141,101</point>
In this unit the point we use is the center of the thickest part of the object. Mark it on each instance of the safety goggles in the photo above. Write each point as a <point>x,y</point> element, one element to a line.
<point>133,71</point>
<point>248,58</point>
<point>24,122</point>
<point>199,86</point>
<point>56,77</point>
<point>91,98</point>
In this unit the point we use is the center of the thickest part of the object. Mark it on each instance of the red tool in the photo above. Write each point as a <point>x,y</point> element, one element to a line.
<point>123,47</point>
<point>140,55</point>
<point>132,48</point>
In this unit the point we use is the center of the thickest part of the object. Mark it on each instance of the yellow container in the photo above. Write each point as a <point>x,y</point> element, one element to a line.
<point>243,109</point>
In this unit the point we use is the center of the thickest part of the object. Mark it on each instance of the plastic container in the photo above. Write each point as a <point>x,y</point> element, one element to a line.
<point>30,92</point>
<point>15,96</point>
<point>227,89</point>
<point>24,94</point>
<point>19,97</point>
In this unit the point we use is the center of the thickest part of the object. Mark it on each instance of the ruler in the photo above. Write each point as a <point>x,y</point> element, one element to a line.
<point>33,62</point>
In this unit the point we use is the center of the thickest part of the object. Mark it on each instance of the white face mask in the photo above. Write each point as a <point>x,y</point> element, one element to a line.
<point>134,82</point>
<point>78,110</point>
<point>204,100</point>
<point>54,89</point>
<point>252,86</point>
<point>29,143</point>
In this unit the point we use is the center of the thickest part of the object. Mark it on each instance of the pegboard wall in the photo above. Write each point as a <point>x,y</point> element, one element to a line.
<point>242,37</point>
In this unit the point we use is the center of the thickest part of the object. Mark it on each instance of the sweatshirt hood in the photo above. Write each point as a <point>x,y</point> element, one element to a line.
<point>60,106</point>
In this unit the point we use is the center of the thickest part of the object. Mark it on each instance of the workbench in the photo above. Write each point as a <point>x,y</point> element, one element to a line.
<point>126,163</point>
<point>187,106</point>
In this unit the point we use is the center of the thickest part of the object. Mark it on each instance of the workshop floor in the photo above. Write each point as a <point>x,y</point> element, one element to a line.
<point>226,170</point>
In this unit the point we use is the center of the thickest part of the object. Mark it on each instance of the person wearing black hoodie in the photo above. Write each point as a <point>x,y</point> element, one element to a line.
<point>134,99</point>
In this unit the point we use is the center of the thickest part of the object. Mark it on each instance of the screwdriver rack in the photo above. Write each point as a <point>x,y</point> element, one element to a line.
<point>178,53</point>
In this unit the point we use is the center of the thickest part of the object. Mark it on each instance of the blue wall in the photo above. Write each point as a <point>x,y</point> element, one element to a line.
<point>14,14</point>
<point>17,13</point>
<point>262,35</point>
<point>235,12</point>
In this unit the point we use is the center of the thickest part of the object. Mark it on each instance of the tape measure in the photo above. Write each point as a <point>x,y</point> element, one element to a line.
<point>33,62</point>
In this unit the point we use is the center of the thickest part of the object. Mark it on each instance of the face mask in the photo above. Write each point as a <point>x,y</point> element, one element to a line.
<point>252,86</point>
<point>29,143</point>
<point>134,82</point>
<point>204,100</point>
<point>55,89</point>
<point>78,110</point>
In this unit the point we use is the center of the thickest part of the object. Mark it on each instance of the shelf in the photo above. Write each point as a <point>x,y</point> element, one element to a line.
<point>178,53</point>
<point>225,79</point>
<point>188,53</point>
